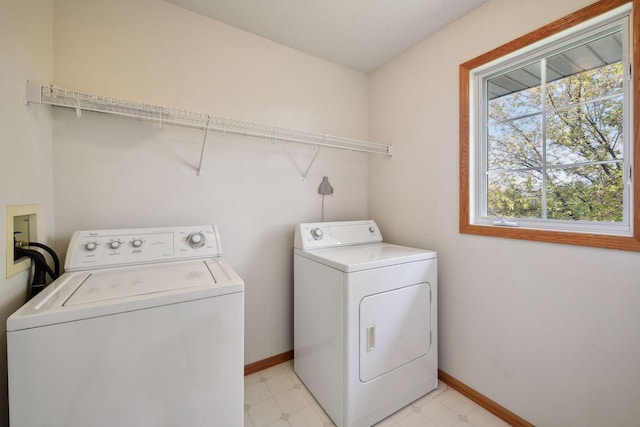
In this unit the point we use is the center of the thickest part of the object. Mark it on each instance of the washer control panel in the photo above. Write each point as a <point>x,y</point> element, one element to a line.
<point>329,234</point>
<point>120,247</point>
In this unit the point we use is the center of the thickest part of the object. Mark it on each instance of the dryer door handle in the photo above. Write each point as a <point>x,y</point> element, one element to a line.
<point>371,338</point>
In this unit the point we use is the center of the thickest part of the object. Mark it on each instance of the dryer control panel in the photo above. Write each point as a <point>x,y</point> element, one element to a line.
<point>120,247</point>
<point>318,235</point>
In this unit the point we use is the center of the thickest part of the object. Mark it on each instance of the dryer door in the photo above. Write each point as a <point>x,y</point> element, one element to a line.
<point>395,329</point>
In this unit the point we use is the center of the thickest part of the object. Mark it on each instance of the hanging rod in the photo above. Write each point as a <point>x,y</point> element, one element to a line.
<point>61,97</point>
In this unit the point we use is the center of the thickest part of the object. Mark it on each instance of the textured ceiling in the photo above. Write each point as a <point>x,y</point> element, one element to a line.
<point>358,34</point>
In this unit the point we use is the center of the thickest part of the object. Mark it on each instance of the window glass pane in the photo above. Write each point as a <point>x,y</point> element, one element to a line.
<point>515,93</point>
<point>588,132</point>
<point>586,193</point>
<point>589,71</point>
<point>585,86</point>
<point>515,194</point>
<point>514,144</point>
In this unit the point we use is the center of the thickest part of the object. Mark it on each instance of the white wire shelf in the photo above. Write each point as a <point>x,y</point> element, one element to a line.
<point>68,98</point>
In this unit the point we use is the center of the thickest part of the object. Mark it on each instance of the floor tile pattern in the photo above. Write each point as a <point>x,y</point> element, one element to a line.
<point>275,397</point>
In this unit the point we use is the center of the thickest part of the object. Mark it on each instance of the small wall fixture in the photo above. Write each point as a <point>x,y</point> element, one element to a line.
<point>325,188</point>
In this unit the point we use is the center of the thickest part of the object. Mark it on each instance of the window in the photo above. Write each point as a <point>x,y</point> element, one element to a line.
<point>546,134</point>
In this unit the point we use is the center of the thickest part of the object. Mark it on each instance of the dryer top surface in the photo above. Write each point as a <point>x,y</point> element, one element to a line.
<point>367,256</point>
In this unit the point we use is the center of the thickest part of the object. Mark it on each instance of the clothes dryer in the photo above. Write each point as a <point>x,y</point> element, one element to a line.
<point>365,321</point>
<point>145,328</point>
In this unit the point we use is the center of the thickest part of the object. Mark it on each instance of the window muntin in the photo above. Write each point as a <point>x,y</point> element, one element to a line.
<point>553,146</point>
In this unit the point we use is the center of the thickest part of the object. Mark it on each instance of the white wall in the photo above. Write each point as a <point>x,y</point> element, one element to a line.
<point>112,172</point>
<point>548,331</point>
<point>25,142</point>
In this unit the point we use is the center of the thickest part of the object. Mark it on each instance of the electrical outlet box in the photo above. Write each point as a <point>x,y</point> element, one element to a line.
<point>25,220</point>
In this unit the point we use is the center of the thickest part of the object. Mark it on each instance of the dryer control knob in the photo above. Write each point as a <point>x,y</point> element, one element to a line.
<point>91,246</point>
<point>316,233</point>
<point>114,244</point>
<point>136,243</point>
<point>195,240</point>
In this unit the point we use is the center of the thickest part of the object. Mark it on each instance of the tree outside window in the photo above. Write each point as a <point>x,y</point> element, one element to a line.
<point>554,149</point>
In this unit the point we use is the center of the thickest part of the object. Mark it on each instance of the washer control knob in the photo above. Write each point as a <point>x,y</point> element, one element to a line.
<point>91,246</point>
<point>136,243</point>
<point>371,230</point>
<point>316,233</point>
<point>195,240</point>
<point>114,244</point>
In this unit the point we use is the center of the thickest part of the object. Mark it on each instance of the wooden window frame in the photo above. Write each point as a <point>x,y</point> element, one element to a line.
<point>629,243</point>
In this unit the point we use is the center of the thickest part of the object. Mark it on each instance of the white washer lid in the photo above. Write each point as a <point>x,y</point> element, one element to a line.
<point>365,257</point>
<point>87,294</point>
<point>108,284</point>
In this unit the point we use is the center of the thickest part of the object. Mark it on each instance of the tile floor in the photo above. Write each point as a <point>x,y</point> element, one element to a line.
<point>275,397</point>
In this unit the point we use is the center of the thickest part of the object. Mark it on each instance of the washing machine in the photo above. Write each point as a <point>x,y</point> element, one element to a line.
<point>365,321</point>
<point>145,328</point>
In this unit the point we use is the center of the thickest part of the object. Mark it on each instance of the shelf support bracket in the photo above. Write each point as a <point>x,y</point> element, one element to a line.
<point>306,172</point>
<point>32,93</point>
<point>204,144</point>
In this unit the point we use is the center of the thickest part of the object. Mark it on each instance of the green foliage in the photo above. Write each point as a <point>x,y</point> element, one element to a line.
<point>581,141</point>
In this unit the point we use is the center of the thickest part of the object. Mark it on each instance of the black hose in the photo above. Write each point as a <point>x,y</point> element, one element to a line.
<point>56,260</point>
<point>41,268</point>
<point>39,282</point>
